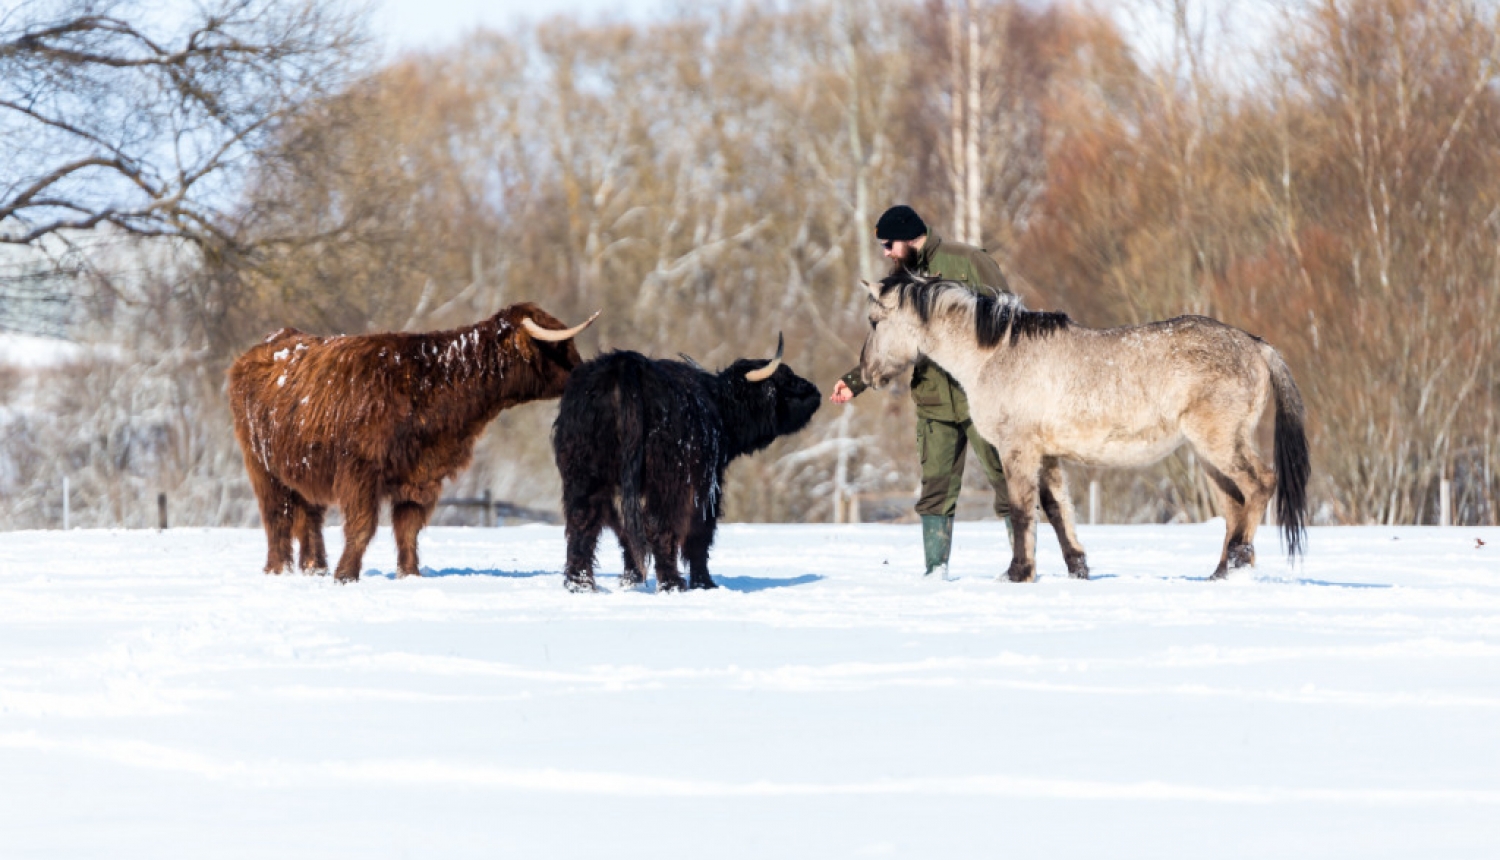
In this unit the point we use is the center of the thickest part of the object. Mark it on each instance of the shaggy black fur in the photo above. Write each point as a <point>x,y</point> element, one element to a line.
<point>642,445</point>
<point>993,315</point>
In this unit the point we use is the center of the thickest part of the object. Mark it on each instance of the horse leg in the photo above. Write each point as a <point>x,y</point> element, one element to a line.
<point>1241,485</point>
<point>1257,482</point>
<point>1021,471</point>
<point>312,556</point>
<point>1057,504</point>
<point>361,508</point>
<point>994,469</point>
<point>1261,480</point>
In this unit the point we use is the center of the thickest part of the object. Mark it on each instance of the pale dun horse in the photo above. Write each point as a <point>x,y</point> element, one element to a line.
<point>1043,389</point>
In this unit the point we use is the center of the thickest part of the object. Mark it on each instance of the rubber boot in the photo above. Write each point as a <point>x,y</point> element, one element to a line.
<point>937,542</point>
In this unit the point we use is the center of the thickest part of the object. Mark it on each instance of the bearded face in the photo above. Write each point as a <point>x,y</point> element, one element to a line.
<point>902,254</point>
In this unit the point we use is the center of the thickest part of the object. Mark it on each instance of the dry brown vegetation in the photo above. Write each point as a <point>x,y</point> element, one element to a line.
<point>711,179</point>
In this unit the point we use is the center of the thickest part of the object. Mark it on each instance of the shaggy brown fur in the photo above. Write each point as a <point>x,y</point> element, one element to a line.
<point>1042,390</point>
<point>350,421</point>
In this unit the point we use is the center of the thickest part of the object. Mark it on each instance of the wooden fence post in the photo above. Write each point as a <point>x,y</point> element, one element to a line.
<point>161,511</point>
<point>1094,502</point>
<point>489,509</point>
<point>1445,502</point>
<point>65,503</point>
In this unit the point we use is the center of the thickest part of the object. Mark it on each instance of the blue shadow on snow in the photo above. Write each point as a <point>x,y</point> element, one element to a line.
<point>429,573</point>
<point>761,583</point>
<point>1327,584</point>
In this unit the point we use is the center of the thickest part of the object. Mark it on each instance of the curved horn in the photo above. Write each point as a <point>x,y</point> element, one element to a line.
<point>765,372</point>
<point>692,361</point>
<point>555,335</point>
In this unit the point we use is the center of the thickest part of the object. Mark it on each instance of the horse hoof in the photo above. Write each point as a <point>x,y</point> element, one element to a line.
<point>580,586</point>
<point>703,585</point>
<point>677,585</point>
<point>1241,555</point>
<point>402,574</point>
<point>1021,574</point>
<point>1078,568</point>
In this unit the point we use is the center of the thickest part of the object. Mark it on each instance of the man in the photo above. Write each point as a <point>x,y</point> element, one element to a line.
<point>944,429</point>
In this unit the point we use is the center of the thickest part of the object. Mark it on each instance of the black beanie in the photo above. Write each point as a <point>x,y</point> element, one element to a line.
<point>900,224</point>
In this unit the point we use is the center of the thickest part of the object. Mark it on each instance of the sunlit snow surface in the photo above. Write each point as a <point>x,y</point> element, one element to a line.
<point>161,697</point>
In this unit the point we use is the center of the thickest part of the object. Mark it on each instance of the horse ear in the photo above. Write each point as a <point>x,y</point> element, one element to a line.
<point>873,290</point>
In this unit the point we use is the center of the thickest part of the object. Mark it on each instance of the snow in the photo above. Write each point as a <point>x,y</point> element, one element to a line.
<point>160,697</point>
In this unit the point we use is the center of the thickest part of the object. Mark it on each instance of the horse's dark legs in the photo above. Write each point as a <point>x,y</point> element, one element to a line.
<point>1261,480</point>
<point>1021,472</point>
<point>1058,506</point>
<point>1242,485</point>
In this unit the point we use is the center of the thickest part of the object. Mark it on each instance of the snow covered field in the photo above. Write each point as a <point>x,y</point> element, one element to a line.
<point>160,697</point>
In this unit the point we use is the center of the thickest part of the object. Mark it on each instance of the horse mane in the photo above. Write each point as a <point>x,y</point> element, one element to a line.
<point>993,314</point>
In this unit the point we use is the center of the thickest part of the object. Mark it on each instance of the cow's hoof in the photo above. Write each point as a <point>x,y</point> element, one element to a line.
<point>1078,567</point>
<point>579,586</point>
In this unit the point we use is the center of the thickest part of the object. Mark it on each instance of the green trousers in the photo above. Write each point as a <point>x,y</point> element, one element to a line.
<point>941,445</point>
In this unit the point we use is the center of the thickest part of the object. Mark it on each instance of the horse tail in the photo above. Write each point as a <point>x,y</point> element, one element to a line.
<point>630,418</point>
<point>1292,463</point>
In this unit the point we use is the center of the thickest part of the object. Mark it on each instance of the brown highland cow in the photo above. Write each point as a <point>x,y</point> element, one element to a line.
<point>352,420</point>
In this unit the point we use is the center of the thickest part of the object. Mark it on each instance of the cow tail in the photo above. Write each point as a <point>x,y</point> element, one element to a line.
<point>1293,465</point>
<point>631,420</point>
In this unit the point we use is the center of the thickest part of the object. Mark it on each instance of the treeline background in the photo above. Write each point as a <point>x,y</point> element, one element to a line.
<point>712,177</point>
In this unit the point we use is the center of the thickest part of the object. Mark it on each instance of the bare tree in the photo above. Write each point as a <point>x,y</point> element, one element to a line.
<point>115,113</point>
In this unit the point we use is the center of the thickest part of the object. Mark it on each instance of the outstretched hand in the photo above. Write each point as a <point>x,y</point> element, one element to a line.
<point>841,393</point>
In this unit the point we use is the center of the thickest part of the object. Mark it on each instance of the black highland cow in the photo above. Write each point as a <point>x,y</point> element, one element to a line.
<point>642,445</point>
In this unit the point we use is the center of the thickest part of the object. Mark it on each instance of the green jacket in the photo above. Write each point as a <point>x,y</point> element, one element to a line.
<point>935,393</point>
